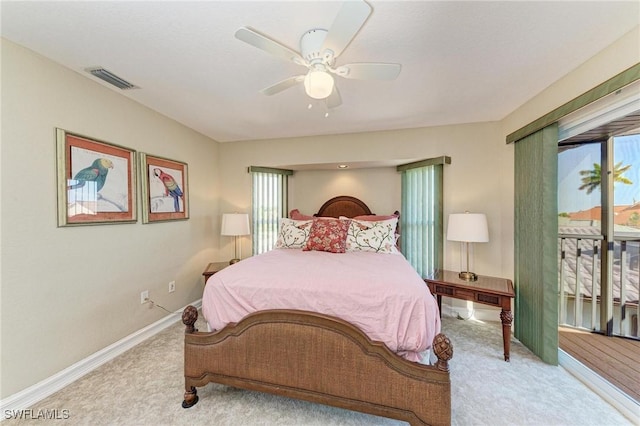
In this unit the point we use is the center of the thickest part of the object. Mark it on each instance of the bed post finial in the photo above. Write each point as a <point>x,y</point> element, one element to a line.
<point>443,349</point>
<point>189,318</point>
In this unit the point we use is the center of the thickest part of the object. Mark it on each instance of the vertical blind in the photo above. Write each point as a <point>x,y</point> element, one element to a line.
<point>421,218</point>
<point>536,244</point>
<point>269,204</point>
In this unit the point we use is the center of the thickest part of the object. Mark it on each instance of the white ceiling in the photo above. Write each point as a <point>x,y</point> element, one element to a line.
<point>462,61</point>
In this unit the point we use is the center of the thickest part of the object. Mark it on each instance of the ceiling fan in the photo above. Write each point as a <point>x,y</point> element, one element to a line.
<point>319,49</point>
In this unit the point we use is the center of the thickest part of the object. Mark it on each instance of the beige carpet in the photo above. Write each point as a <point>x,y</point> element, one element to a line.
<point>144,386</point>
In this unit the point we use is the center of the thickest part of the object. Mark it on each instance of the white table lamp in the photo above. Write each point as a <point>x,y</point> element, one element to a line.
<point>468,228</point>
<point>235,224</point>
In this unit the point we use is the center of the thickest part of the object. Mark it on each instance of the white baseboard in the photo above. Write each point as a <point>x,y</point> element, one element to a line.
<point>614,396</point>
<point>35,393</point>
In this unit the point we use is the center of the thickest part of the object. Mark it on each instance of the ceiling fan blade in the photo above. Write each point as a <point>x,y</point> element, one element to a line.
<point>350,19</point>
<point>282,85</point>
<point>254,38</point>
<point>369,71</point>
<point>334,99</point>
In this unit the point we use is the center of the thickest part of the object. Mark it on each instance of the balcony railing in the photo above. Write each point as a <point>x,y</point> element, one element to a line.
<point>579,282</point>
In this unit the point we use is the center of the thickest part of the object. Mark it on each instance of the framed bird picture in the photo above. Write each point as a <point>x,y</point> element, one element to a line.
<point>96,181</point>
<point>165,189</point>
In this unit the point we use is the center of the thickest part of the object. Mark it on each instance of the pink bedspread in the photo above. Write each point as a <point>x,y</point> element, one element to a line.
<point>379,293</point>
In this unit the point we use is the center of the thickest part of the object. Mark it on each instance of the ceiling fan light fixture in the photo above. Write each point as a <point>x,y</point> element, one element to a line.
<point>318,84</point>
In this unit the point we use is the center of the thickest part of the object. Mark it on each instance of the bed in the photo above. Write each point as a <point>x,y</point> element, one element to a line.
<point>315,354</point>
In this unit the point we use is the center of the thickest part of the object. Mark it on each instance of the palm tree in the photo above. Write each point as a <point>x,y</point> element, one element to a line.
<point>591,178</point>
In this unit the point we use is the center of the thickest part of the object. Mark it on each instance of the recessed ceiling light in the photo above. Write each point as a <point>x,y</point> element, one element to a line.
<point>342,166</point>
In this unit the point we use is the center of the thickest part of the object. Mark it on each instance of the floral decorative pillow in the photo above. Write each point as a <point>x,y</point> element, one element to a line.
<point>378,236</point>
<point>293,233</point>
<point>328,235</point>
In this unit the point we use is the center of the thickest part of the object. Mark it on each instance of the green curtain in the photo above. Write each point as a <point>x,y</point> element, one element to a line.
<point>536,246</point>
<point>269,204</point>
<point>421,216</point>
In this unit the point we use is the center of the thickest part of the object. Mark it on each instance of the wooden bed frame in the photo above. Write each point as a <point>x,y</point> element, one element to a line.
<point>318,358</point>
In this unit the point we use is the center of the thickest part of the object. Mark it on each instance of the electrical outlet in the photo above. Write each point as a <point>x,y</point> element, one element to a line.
<point>172,286</point>
<point>144,297</point>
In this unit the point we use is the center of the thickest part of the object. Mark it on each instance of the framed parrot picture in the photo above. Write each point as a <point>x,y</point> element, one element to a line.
<point>165,189</point>
<point>96,181</point>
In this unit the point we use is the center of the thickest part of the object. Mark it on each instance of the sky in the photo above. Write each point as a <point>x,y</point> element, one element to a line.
<point>570,162</point>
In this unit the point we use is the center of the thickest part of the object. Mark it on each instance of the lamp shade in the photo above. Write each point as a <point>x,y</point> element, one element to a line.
<point>235,224</point>
<point>318,84</point>
<point>468,227</point>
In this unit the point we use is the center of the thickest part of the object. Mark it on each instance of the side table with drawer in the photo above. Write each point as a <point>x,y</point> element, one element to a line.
<point>487,290</point>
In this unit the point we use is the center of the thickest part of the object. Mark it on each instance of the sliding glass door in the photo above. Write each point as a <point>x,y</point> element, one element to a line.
<point>599,234</point>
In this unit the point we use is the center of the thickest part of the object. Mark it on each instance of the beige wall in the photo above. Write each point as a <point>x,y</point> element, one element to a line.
<point>69,292</point>
<point>379,186</point>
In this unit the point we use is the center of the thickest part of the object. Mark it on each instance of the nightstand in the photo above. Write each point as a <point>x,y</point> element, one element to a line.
<point>492,291</point>
<point>212,268</point>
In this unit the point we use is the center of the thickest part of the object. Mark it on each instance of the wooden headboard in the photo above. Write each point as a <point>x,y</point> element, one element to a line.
<point>348,206</point>
<point>343,205</point>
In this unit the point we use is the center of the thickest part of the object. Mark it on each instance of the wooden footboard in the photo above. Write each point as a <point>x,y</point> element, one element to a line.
<point>318,358</point>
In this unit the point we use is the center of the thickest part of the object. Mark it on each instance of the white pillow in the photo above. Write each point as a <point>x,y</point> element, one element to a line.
<point>373,236</point>
<point>293,233</point>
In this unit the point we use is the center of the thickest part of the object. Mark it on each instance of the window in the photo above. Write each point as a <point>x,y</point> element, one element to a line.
<point>579,200</point>
<point>599,216</point>
<point>421,218</point>
<point>269,204</point>
<point>590,218</point>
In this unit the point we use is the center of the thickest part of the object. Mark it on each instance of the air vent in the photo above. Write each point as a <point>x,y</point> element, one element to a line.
<point>111,78</point>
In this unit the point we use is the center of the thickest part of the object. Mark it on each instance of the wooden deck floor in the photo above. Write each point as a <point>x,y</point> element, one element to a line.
<point>616,359</point>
